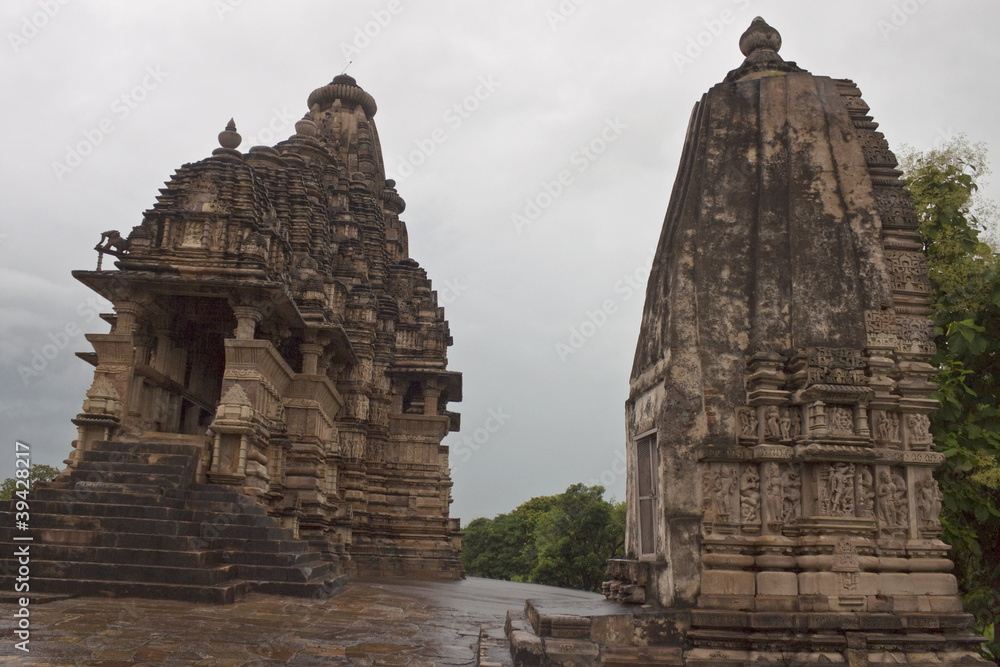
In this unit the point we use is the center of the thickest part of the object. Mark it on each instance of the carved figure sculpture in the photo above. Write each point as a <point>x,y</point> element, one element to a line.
<point>841,420</point>
<point>725,484</point>
<point>928,503</point>
<point>919,428</point>
<point>748,422</point>
<point>793,495</point>
<point>112,243</point>
<point>773,492</point>
<point>750,496</point>
<point>866,495</point>
<point>902,508</point>
<point>888,427</point>
<point>841,489</point>
<point>772,427</point>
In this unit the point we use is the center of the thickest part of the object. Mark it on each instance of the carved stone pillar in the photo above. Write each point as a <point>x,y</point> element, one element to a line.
<point>128,317</point>
<point>310,357</point>
<point>247,319</point>
<point>431,396</point>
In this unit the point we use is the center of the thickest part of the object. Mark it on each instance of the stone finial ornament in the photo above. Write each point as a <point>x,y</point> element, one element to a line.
<point>306,127</point>
<point>759,36</point>
<point>230,138</point>
<point>760,44</point>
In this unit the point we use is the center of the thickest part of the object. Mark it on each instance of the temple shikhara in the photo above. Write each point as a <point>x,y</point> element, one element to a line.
<point>268,408</point>
<point>782,506</point>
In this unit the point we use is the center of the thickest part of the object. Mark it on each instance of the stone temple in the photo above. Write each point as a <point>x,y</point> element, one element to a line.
<point>782,506</point>
<point>268,408</point>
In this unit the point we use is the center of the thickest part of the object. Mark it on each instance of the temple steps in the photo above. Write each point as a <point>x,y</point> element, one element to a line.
<point>226,593</point>
<point>68,497</point>
<point>131,521</point>
<point>210,575</point>
<point>154,557</point>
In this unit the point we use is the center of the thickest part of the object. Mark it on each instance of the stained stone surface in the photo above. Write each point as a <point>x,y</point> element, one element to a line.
<point>389,622</point>
<point>781,495</point>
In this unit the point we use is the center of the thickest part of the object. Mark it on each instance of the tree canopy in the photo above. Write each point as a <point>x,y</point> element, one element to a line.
<point>965,276</point>
<point>562,540</point>
<point>38,472</point>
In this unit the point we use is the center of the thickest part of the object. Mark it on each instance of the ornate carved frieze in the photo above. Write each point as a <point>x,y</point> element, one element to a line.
<point>887,429</point>
<point>918,431</point>
<point>835,366</point>
<point>908,272</point>
<point>895,208</point>
<point>880,328</point>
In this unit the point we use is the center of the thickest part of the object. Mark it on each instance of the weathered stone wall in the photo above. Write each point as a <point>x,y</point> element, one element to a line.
<point>780,391</point>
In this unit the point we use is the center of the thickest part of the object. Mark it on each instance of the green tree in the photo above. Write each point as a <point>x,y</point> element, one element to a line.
<point>575,539</point>
<point>965,275</point>
<point>504,547</point>
<point>561,540</point>
<point>38,472</point>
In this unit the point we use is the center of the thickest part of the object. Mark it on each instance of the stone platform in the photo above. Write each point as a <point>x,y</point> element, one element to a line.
<point>385,622</point>
<point>599,632</point>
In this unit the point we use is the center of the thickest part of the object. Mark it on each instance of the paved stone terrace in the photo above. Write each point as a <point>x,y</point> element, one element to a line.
<point>371,622</point>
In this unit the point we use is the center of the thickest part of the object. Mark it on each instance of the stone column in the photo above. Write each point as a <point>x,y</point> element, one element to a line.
<point>310,357</point>
<point>128,317</point>
<point>247,319</point>
<point>431,395</point>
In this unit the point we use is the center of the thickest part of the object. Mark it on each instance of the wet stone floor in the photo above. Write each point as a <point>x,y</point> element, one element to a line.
<point>384,622</point>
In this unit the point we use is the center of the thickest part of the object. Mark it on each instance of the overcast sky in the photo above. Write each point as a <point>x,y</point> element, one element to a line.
<point>535,143</point>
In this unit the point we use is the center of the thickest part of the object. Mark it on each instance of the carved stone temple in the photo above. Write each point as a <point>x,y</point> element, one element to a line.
<point>781,493</point>
<point>275,380</point>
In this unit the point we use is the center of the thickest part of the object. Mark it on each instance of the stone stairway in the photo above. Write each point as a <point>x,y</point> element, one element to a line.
<point>130,521</point>
<point>493,649</point>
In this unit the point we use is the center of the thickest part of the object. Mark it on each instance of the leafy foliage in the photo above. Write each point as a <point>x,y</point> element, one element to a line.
<point>965,275</point>
<point>561,540</point>
<point>38,472</point>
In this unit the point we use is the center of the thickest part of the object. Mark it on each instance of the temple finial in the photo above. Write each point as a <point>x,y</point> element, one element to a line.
<point>230,138</point>
<point>759,36</point>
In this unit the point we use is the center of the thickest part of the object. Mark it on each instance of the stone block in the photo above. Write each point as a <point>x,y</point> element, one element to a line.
<point>773,621</point>
<point>895,583</point>
<point>646,656</point>
<point>776,603</point>
<point>572,652</point>
<point>879,604</point>
<point>612,630</point>
<point>778,583</point>
<point>727,582</point>
<point>526,648</point>
<point>904,604</point>
<point>917,583</point>
<point>934,583</point>
<point>730,602</point>
<point>945,604</point>
<point>818,603</point>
